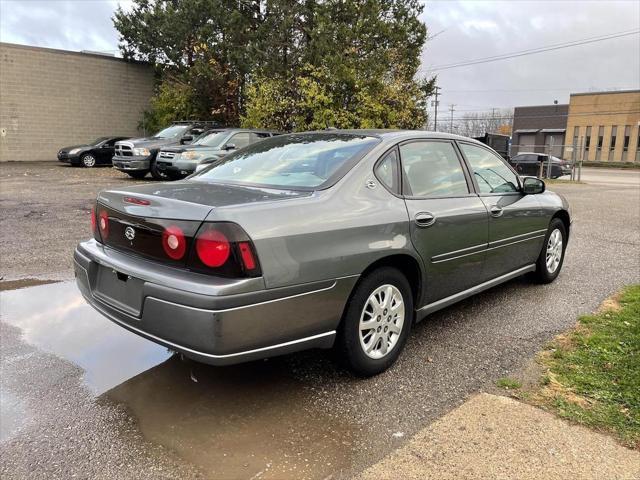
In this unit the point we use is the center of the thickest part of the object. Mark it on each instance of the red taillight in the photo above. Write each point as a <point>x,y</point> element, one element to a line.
<point>247,256</point>
<point>213,248</point>
<point>136,201</point>
<point>103,223</point>
<point>174,242</point>
<point>93,219</point>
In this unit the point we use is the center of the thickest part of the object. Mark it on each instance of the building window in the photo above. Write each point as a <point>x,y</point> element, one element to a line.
<point>612,144</point>
<point>638,147</point>
<point>587,143</point>
<point>625,145</point>
<point>600,140</point>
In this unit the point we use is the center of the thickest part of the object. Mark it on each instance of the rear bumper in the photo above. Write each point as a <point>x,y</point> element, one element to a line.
<point>222,322</point>
<point>128,164</point>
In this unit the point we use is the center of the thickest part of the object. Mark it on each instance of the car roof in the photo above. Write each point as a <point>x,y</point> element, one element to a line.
<point>396,134</point>
<point>530,153</point>
<point>236,129</point>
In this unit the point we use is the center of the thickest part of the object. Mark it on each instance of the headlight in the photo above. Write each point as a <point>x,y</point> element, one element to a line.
<point>73,151</point>
<point>141,152</point>
<point>191,155</point>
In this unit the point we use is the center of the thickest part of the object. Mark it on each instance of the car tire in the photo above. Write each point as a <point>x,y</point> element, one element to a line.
<point>88,160</point>
<point>156,173</point>
<point>551,256</point>
<point>138,175</point>
<point>376,297</point>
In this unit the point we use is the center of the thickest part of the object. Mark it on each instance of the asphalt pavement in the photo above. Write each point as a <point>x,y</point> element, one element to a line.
<point>82,397</point>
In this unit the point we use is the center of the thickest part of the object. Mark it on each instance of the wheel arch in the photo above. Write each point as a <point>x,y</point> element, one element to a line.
<point>408,265</point>
<point>566,220</point>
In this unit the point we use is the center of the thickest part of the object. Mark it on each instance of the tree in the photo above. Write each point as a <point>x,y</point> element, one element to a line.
<point>288,64</point>
<point>345,64</point>
<point>203,46</point>
<point>479,123</point>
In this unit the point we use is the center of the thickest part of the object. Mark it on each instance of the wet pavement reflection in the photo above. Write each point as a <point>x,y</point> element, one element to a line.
<point>55,318</point>
<point>232,422</point>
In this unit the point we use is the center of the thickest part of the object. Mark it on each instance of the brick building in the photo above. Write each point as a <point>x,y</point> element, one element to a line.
<point>605,125</point>
<point>536,128</point>
<point>53,98</point>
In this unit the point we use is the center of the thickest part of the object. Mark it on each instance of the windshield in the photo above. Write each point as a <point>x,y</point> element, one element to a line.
<point>171,132</point>
<point>213,139</point>
<point>297,160</point>
<point>99,140</point>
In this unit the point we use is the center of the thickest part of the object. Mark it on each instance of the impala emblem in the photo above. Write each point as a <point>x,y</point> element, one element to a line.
<point>129,233</point>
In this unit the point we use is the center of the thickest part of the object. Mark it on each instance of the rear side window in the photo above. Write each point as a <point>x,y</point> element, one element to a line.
<point>489,170</point>
<point>432,169</point>
<point>387,171</point>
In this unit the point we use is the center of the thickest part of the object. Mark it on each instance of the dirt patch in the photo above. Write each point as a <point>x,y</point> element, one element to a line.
<point>23,283</point>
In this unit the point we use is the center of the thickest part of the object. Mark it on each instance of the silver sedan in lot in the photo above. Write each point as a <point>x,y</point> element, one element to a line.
<point>325,239</point>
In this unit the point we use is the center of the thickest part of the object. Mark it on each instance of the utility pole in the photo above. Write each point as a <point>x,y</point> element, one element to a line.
<point>451,110</point>
<point>435,104</point>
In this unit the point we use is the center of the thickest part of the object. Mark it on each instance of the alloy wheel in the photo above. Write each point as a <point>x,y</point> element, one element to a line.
<point>554,250</point>
<point>88,161</point>
<point>381,321</point>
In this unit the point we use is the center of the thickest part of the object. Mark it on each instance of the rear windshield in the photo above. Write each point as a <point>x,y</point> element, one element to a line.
<point>291,161</point>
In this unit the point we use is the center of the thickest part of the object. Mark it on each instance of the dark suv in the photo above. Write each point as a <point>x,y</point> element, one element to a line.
<point>528,163</point>
<point>182,160</point>
<point>137,156</point>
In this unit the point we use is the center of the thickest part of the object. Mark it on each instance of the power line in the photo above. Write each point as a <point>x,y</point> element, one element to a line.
<point>533,51</point>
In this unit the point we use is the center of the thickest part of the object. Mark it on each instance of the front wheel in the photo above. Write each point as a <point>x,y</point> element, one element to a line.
<point>88,160</point>
<point>376,322</point>
<point>551,257</point>
<point>156,173</point>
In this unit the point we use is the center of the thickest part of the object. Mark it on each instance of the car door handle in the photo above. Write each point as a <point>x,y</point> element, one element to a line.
<point>496,211</point>
<point>424,219</point>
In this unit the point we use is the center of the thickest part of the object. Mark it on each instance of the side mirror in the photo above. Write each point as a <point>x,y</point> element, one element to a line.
<point>186,139</point>
<point>229,146</point>
<point>532,186</point>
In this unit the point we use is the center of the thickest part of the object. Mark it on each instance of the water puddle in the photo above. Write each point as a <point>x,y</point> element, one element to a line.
<point>56,319</point>
<point>252,420</point>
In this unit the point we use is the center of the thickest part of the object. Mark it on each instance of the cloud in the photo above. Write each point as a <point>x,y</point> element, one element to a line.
<point>470,29</point>
<point>477,29</point>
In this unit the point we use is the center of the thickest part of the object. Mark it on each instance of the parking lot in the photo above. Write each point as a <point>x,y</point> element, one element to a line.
<point>82,397</point>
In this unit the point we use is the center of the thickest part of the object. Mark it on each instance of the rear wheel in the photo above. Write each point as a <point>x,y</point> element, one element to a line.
<point>376,322</point>
<point>137,174</point>
<point>551,257</point>
<point>88,160</point>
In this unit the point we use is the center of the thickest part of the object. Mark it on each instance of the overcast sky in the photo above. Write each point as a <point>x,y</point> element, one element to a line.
<point>461,30</point>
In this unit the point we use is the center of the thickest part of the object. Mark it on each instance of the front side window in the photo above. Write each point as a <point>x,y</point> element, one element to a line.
<point>240,140</point>
<point>300,160</point>
<point>432,169</point>
<point>492,175</point>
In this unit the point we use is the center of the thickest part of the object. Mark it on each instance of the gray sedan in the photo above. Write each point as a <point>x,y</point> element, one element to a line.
<point>325,239</point>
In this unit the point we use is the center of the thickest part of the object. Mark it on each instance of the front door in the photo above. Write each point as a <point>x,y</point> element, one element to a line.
<point>517,223</point>
<point>448,222</point>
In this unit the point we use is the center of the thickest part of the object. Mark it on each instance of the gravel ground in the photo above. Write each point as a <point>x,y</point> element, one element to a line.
<point>44,212</point>
<point>299,416</point>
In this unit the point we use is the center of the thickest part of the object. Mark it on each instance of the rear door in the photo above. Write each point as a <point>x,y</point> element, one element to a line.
<point>517,223</point>
<point>448,222</point>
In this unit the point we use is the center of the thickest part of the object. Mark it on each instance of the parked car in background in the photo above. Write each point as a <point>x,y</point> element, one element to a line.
<point>137,156</point>
<point>319,239</point>
<point>98,152</point>
<point>528,163</point>
<point>182,160</point>
<point>500,143</point>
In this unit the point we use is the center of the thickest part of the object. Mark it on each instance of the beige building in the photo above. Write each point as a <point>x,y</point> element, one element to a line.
<point>54,98</point>
<point>605,126</point>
